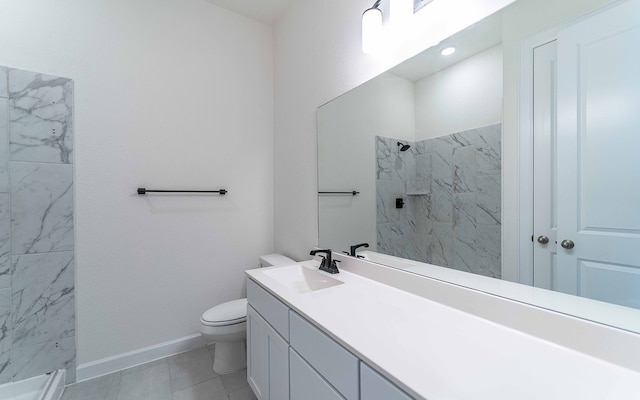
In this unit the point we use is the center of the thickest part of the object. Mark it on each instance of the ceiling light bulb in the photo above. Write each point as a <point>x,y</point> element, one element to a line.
<point>371,30</point>
<point>447,51</point>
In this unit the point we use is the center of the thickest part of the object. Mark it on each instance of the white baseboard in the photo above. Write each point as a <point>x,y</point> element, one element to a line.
<point>136,357</point>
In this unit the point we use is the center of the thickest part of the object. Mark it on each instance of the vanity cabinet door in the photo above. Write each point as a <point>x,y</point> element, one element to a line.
<point>257,354</point>
<point>267,359</point>
<point>374,386</point>
<point>278,367</point>
<point>306,383</point>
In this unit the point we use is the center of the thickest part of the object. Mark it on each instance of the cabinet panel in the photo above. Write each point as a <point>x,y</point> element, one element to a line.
<point>306,384</point>
<point>332,361</point>
<point>272,309</point>
<point>257,354</point>
<point>374,386</point>
<point>267,359</point>
<point>278,367</point>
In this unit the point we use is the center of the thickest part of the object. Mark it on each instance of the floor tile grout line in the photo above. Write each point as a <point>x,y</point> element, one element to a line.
<point>214,377</point>
<point>119,384</point>
<point>169,369</point>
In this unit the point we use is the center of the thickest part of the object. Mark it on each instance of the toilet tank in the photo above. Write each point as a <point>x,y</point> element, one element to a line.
<point>273,260</point>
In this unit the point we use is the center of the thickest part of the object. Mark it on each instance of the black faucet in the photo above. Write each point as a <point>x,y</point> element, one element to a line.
<point>327,264</point>
<point>356,247</point>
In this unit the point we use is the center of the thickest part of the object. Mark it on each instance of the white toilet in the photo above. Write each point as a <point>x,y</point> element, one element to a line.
<point>226,326</point>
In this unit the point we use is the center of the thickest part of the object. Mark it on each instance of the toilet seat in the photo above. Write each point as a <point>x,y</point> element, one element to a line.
<point>229,313</point>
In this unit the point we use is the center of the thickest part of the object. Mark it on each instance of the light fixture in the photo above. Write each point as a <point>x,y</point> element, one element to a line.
<point>372,29</point>
<point>447,51</point>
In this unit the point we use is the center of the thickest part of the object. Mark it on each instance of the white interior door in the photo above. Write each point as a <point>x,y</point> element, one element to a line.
<point>598,157</point>
<point>545,224</point>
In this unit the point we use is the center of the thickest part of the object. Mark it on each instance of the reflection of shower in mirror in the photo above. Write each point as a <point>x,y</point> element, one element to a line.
<point>452,213</point>
<point>404,147</point>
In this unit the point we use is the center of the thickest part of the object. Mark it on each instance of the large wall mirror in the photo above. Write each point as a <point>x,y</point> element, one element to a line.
<point>411,162</point>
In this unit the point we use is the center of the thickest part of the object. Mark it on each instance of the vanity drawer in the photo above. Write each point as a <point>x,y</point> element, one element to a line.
<point>332,361</point>
<point>270,308</point>
<point>374,386</point>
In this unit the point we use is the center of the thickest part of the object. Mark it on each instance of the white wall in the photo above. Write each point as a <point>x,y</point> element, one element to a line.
<point>318,57</point>
<point>521,20</point>
<point>168,94</point>
<point>384,106</point>
<point>464,96</point>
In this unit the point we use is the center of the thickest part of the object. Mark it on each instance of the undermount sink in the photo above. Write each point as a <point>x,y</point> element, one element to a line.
<point>301,278</point>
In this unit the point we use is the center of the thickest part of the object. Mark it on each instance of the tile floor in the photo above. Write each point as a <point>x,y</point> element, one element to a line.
<point>185,376</point>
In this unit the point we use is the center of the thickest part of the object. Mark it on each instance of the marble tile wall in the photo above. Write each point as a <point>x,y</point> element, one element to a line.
<point>37,293</point>
<point>452,194</point>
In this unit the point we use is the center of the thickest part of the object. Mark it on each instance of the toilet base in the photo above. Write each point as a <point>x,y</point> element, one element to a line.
<point>229,357</point>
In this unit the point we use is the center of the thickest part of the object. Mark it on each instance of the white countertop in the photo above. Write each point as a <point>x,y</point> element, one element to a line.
<point>437,352</point>
<point>606,313</point>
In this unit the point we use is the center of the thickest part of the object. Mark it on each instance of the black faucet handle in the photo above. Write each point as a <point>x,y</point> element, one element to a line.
<point>325,251</point>
<point>332,268</point>
<point>356,247</point>
<point>328,264</point>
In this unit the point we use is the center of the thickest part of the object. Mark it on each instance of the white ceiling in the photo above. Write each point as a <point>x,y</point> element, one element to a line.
<point>480,36</point>
<point>267,11</point>
<point>476,38</point>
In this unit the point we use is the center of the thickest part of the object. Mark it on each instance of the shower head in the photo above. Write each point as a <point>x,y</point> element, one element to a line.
<point>404,147</point>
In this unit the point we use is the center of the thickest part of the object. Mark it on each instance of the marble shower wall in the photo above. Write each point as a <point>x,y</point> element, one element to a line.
<point>37,293</point>
<point>451,189</point>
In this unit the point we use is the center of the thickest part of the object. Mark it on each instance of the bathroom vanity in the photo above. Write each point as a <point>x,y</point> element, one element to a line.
<point>288,357</point>
<point>312,335</point>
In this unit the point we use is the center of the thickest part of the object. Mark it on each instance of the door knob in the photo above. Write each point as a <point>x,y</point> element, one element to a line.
<point>542,239</point>
<point>567,244</point>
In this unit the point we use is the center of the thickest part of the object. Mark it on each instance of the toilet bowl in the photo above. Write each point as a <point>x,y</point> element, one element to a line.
<point>226,326</point>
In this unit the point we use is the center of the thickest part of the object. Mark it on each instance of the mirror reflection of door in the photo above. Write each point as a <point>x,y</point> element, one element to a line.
<point>586,172</point>
<point>544,178</point>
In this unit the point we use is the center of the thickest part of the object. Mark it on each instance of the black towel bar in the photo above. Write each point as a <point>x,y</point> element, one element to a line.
<point>142,191</point>
<point>352,193</point>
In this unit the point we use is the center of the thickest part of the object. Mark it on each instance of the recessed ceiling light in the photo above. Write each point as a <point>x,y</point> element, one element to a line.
<point>447,51</point>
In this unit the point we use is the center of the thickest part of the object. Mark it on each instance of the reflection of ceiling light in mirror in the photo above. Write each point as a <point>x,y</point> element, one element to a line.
<point>447,51</point>
<point>372,29</point>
